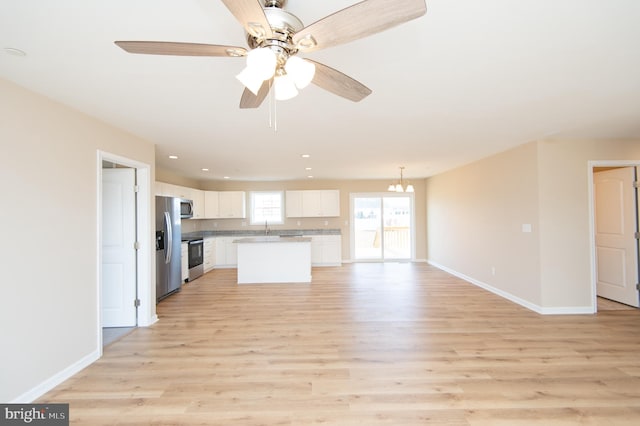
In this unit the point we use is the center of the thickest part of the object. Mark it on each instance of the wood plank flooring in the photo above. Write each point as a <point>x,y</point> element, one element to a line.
<point>364,344</point>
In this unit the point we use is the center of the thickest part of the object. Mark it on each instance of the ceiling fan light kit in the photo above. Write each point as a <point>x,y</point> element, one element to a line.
<point>275,37</point>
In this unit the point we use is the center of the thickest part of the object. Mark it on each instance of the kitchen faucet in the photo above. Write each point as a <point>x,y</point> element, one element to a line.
<point>266,228</point>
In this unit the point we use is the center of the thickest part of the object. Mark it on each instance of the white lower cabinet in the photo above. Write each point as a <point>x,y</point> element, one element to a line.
<point>226,252</point>
<point>209,253</point>
<point>184,260</point>
<point>326,250</point>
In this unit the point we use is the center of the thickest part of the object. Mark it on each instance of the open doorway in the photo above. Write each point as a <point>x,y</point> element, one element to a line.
<point>125,298</point>
<point>614,230</point>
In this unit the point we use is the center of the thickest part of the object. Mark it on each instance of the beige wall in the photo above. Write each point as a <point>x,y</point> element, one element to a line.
<point>475,214</point>
<point>48,173</point>
<point>474,220</point>
<point>565,246</point>
<point>346,187</point>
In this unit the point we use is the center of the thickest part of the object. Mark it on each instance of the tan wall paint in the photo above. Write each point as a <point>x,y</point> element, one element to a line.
<point>474,220</point>
<point>475,213</point>
<point>48,176</point>
<point>346,187</point>
<point>565,246</point>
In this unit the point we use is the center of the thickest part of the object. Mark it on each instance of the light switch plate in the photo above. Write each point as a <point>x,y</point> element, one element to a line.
<point>526,227</point>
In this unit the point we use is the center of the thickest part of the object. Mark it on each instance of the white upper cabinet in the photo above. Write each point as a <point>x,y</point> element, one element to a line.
<point>293,203</point>
<point>197,196</point>
<point>225,205</point>
<point>211,205</point>
<point>314,203</point>
<point>232,204</point>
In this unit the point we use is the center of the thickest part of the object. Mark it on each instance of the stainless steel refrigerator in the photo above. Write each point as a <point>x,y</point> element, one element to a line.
<point>168,236</point>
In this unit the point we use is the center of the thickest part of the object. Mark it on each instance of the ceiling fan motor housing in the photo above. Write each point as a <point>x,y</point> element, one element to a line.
<point>283,26</point>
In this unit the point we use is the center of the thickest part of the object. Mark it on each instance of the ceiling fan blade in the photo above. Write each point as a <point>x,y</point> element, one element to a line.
<point>251,15</point>
<point>249,100</point>
<point>360,20</point>
<point>338,83</point>
<point>180,49</point>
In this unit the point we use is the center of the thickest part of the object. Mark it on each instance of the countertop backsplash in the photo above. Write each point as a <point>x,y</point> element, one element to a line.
<point>310,226</point>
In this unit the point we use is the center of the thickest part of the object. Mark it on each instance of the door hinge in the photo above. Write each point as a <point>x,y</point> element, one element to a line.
<point>136,245</point>
<point>136,188</point>
<point>636,184</point>
<point>637,235</point>
<point>638,286</point>
<point>136,302</point>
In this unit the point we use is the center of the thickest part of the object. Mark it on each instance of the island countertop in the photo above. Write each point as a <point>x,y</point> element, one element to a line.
<point>272,239</point>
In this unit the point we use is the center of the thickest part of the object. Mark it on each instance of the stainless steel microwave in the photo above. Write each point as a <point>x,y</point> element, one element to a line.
<point>186,209</point>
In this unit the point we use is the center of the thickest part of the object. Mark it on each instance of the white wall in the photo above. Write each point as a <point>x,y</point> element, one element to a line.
<point>48,176</point>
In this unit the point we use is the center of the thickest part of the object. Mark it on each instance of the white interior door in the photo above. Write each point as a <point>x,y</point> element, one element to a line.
<point>616,224</point>
<point>118,252</point>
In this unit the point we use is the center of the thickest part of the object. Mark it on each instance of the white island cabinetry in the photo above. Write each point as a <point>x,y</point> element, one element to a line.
<point>274,260</point>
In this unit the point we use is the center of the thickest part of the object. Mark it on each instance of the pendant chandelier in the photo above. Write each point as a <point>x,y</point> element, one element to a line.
<point>399,187</point>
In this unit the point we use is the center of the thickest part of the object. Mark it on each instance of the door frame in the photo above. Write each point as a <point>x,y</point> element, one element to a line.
<point>144,272</point>
<point>352,243</point>
<point>592,224</point>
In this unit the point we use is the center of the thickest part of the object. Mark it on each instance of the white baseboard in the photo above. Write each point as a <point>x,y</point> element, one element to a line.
<point>568,310</point>
<point>56,379</point>
<point>151,321</point>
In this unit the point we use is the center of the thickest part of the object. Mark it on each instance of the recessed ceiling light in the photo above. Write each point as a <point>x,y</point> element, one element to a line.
<point>310,177</point>
<point>205,170</point>
<point>15,52</point>
<point>173,157</point>
<point>308,168</point>
<point>305,156</point>
<point>226,177</point>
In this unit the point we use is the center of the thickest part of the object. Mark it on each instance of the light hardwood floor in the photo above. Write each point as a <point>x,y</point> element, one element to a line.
<point>364,344</point>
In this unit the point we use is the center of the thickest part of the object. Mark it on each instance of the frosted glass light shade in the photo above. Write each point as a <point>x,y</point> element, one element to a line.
<point>284,88</point>
<point>250,79</point>
<point>263,61</point>
<point>410,188</point>
<point>399,188</point>
<point>391,188</point>
<point>300,70</point>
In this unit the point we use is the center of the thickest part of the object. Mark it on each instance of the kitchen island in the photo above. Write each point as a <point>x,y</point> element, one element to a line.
<point>274,259</point>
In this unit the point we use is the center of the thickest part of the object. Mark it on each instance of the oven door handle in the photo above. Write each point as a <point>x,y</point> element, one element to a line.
<point>169,245</point>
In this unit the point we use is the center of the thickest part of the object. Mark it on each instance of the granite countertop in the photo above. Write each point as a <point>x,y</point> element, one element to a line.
<point>259,233</point>
<point>273,239</point>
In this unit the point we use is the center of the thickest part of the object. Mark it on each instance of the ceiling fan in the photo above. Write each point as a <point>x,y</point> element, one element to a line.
<point>276,36</point>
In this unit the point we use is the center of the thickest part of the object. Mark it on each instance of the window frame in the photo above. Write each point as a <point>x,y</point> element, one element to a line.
<point>252,207</point>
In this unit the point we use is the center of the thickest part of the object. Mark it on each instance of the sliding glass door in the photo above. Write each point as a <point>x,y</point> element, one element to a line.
<point>382,226</point>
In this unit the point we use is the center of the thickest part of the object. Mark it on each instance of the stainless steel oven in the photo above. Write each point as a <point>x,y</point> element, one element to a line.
<point>196,258</point>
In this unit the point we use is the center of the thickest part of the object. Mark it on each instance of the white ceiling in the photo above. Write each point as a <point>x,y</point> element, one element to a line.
<point>468,79</point>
